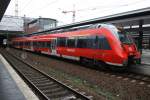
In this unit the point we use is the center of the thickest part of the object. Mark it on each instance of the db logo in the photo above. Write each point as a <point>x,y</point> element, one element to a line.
<point>130,49</point>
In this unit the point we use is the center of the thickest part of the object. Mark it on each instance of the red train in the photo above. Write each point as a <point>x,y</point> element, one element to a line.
<point>100,43</point>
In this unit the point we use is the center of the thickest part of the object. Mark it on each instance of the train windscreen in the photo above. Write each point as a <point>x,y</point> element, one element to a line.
<point>118,32</point>
<point>124,38</point>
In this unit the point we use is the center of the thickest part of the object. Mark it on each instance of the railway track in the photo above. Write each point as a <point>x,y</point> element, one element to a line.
<point>127,75</point>
<point>133,77</point>
<point>47,87</point>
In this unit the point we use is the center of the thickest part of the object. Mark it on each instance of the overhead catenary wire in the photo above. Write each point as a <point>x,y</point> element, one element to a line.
<point>106,7</point>
<point>109,6</point>
<point>26,5</point>
<point>84,9</point>
<point>43,7</point>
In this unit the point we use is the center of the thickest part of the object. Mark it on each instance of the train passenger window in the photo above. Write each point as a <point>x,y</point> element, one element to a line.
<point>81,42</point>
<point>91,42</point>
<point>28,43</point>
<point>38,44</point>
<point>45,44</point>
<point>103,43</point>
<point>21,43</point>
<point>24,43</point>
<point>61,42</point>
<point>34,44</point>
<point>15,43</point>
<point>48,44</point>
<point>87,42</point>
<point>71,43</point>
<point>41,44</point>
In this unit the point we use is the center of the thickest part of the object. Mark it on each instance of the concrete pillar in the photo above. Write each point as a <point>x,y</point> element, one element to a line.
<point>140,35</point>
<point>149,42</point>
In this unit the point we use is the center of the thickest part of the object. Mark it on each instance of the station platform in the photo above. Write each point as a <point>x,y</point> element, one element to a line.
<point>144,67</point>
<point>12,87</point>
<point>146,57</point>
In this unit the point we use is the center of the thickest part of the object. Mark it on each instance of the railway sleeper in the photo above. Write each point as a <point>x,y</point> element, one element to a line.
<point>54,90</point>
<point>44,84</point>
<point>26,72</point>
<point>69,97</point>
<point>61,94</point>
<point>31,73</point>
<point>38,79</point>
<point>48,86</point>
<point>44,88</point>
<point>40,82</point>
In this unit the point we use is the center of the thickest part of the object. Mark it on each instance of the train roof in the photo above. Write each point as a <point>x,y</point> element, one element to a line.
<point>76,31</point>
<point>86,32</point>
<point>65,30</point>
<point>60,30</point>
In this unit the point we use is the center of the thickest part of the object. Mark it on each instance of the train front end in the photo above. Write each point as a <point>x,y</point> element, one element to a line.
<point>124,48</point>
<point>130,48</point>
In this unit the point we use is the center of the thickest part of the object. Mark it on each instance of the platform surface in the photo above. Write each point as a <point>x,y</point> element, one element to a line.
<point>8,87</point>
<point>146,57</point>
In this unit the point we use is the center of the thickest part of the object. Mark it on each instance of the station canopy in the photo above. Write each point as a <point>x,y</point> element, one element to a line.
<point>131,18</point>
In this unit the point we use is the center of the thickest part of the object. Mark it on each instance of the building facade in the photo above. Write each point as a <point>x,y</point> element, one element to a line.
<point>40,24</point>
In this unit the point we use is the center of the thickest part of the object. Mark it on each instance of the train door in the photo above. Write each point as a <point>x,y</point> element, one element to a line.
<point>53,47</point>
<point>31,45</point>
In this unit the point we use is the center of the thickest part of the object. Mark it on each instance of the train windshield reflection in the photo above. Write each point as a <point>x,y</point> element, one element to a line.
<point>126,39</point>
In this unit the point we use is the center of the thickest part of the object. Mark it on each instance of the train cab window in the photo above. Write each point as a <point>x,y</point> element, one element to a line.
<point>103,43</point>
<point>71,42</point>
<point>61,42</point>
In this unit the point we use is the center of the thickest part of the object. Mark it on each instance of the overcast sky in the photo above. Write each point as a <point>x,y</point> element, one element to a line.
<point>85,9</point>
